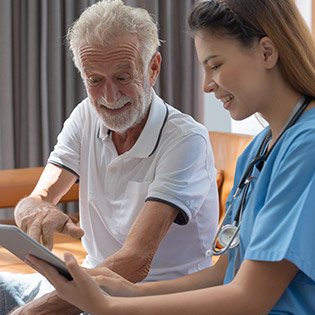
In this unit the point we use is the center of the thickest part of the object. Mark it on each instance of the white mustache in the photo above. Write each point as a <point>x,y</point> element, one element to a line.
<point>119,104</point>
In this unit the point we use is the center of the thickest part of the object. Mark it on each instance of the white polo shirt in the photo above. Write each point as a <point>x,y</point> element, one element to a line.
<point>171,162</point>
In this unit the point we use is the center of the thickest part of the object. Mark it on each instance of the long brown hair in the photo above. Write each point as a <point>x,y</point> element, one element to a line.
<point>249,20</point>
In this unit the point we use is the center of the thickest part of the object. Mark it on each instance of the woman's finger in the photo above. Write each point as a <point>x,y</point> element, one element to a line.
<point>76,271</point>
<point>46,270</point>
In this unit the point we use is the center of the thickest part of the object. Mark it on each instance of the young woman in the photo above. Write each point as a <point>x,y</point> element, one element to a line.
<point>258,57</point>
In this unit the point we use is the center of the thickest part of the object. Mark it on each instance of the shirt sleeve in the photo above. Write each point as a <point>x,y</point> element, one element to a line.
<point>66,152</point>
<point>284,227</point>
<point>185,175</point>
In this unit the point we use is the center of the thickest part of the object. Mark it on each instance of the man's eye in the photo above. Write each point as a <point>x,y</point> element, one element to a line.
<point>123,78</point>
<point>94,80</point>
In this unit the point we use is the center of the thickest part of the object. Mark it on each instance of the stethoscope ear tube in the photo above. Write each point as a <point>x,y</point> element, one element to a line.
<point>227,235</point>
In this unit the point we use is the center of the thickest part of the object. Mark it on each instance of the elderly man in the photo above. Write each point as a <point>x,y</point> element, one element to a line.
<point>148,198</point>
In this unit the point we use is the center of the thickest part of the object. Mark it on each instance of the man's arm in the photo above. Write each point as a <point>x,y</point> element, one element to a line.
<point>48,304</point>
<point>133,260</point>
<point>37,214</point>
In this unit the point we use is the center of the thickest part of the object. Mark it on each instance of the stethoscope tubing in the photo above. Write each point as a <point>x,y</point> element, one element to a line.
<point>244,184</point>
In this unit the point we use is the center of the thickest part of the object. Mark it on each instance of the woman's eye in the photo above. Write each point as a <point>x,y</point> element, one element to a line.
<point>214,67</point>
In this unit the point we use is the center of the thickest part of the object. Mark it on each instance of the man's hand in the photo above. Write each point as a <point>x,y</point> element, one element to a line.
<point>41,219</point>
<point>49,304</point>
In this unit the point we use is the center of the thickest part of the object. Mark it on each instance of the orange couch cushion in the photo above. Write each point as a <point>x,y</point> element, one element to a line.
<point>227,147</point>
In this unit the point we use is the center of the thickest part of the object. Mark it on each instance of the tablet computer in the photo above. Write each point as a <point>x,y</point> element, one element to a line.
<point>20,244</point>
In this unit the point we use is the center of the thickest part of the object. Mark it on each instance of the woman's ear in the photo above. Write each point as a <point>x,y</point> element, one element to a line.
<point>269,52</point>
<point>154,68</point>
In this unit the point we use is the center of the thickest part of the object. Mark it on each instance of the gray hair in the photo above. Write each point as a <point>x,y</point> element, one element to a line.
<point>100,24</point>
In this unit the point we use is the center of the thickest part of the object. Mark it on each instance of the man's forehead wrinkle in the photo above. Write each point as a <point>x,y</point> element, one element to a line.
<point>112,56</point>
<point>122,64</point>
<point>130,46</point>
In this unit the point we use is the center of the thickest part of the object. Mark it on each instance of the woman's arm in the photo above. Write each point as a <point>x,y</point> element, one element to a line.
<point>254,290</point>
<point>115,285</point>
<point>205,278</point>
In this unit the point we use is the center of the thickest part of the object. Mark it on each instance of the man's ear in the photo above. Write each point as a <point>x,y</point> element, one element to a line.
<point>154,68</point>
<point>269,52</point>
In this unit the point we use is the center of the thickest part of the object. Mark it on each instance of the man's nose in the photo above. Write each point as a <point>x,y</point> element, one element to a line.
<point>111,92</point>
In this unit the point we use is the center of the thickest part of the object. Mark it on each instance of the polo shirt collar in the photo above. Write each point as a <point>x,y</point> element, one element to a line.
<point>103,131</point>
<point>151,133</point>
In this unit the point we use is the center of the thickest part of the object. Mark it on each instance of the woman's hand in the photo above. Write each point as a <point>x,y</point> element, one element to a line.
<point>83,291</point>
<point>114,284</point>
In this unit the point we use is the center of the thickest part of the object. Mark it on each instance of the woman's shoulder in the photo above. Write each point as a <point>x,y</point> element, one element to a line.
<point>302,133</point>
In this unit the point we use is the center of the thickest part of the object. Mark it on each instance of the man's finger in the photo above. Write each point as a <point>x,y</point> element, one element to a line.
<point>24,225</point>
<point>72,229</point>
<point>48,238</point>
<point>35,230</point>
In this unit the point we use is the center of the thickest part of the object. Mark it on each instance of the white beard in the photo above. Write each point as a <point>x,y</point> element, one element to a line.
<point>132,115</point>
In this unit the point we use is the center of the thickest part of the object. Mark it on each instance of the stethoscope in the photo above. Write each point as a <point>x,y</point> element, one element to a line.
<point>227,235</point>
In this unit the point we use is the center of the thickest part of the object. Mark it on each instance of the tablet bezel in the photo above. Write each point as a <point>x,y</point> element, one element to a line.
<point>20,244</point>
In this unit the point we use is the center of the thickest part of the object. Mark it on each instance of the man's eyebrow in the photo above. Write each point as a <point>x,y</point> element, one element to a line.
<point>209,58</point>
<point>123,67</point>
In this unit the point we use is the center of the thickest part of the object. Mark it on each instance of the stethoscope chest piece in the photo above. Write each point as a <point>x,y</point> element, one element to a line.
<point>227,233</point>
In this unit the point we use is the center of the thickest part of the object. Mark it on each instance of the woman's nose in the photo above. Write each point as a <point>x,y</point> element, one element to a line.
<point>209,86</point>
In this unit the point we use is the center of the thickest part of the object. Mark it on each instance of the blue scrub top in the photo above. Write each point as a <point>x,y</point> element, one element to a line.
<point>279,217</point>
